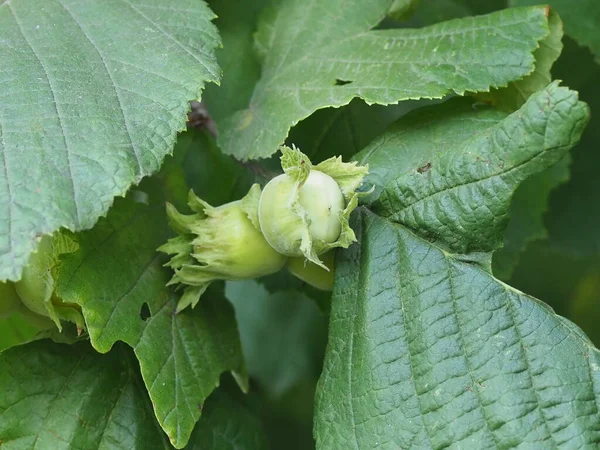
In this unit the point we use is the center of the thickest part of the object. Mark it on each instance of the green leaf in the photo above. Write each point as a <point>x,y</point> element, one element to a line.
<point>60,397</point>
<point>283,334</point>
<point>575,210</point>
<point>427,351</point>
<point>516,93</point>
<point>90,107</point>
<point>314,60</point>
<point>460,197</point>
<point>418,137</point>
<point>581,20</point>
<point>528,208</point>
<point>117,278</point>
<point>16,329</point>
<point>561,269</point>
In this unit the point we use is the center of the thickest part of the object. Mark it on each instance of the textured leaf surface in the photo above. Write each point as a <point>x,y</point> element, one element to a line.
<point>58,397</point>
<point>581,20</point>
<point>516,93</point>
<point>93,94</point>
<point>459,198</point>
<point>426,351</point>
<point>118,279</point>
<point>313,59</point>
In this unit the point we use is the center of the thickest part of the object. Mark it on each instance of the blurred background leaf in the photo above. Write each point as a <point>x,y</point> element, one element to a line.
<point>564,269</point>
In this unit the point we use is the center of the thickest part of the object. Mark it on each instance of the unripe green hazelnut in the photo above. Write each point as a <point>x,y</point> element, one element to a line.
<point>305,211</point>
<point>321,202</point>
<point>36,286</point>
<point>218,243</point>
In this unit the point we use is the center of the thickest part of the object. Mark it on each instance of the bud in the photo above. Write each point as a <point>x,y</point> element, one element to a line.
<point>305,211</point>
<point>36,286</point>
<point>217,243</point>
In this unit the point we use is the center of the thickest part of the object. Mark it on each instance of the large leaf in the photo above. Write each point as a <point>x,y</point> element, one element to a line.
<point>60,397</point>
<point>427,351</point>
<point>561,270</point>
<point>581,20</point>
<point>313,59</point>
<point>94,93</point>
<point>460,197</point>
<point>426,348</point>
<point>118,279</point>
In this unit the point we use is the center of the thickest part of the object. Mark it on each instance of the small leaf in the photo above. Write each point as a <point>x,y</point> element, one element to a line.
<point>301,67</point>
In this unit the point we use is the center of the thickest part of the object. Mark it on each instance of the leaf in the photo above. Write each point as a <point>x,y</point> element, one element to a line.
<point>90,107</point>
<point>427,351</point>
<point>528,208</point>
<point>561,269</point>
<point>314,60</point>
<point>16,330</point>
<point>117,278</point>
<point>229,422</point>
<point>60,397</point>
<point>575,210</point>
<point>283,334</point>
<point>460,198</point>
<point>516,94</point>
<point>581,21</point>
